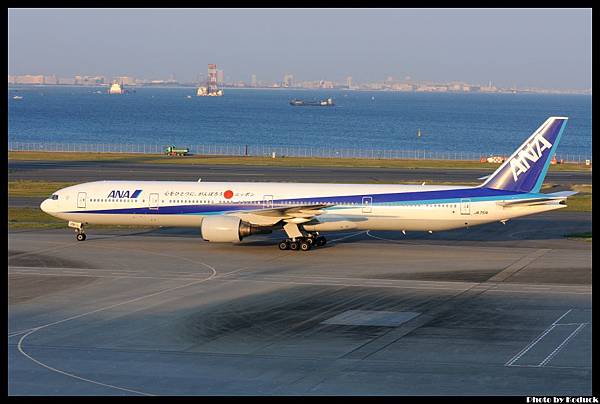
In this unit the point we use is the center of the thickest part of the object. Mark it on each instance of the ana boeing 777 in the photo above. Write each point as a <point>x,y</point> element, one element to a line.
<point>230,211</point>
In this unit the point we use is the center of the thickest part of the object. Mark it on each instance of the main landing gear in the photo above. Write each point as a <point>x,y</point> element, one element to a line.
<point>79,230</point>
<point>303,243</point>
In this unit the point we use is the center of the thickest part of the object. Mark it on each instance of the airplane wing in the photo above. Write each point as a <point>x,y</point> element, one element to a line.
<point>271,216</point>
<point>557,196</point>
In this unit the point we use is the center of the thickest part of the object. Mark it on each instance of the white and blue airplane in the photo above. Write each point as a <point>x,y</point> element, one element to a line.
<point>230,211</point>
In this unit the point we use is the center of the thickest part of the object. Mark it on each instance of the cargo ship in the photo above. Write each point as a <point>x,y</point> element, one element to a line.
<point>323,103</point>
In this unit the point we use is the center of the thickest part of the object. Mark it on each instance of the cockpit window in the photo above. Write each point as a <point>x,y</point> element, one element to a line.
<point>54,197</point>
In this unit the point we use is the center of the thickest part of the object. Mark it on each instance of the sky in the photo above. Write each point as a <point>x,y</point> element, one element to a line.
<point>546,48</point>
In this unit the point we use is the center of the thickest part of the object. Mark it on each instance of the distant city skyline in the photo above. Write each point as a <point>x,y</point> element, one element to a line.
<point>541,48</point>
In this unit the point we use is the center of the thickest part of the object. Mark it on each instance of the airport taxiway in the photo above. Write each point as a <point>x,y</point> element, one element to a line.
<point>116,170</point>
<point>496,309</point>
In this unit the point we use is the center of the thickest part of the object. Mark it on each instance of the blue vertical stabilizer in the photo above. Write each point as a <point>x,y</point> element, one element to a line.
<point>525,169</point>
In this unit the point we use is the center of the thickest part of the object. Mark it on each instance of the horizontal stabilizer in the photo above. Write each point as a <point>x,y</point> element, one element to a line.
<point>561,194</point>
<point>554,197</point>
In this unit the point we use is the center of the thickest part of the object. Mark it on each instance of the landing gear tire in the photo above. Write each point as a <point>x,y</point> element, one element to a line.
<point>284,245</point>
<point>80,236</point>
<point>305,245</point>
<point>294,245</point>
<point>321,241</point>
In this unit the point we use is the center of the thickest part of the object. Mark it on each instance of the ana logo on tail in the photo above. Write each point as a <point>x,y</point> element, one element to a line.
<point>532,152</point>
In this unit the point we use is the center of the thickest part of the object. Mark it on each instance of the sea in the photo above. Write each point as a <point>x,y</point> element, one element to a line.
<point>489,124</point>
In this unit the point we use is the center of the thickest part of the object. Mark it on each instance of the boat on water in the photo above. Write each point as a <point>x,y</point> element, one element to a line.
<point>322,103</point>
<point>116,88</point>
<point>17,97</point>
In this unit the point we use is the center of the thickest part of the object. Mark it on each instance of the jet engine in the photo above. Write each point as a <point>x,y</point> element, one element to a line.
<point>228,229</point>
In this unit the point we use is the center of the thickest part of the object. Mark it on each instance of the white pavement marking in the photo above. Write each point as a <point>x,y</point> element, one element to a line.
<point>36,329</point>
<point>561,317</point>
<point>20,344</point>
<point>343,238</point>
<point>562,344</point>
<point>31,331</point>
<point>528,347</point>
<point>381,238</point>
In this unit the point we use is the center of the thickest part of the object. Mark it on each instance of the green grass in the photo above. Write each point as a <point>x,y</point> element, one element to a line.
<point>35,188</point>
<point>267,161</point>
<point>579,203</point>
<point>34,218</point>
<point>587,236</point>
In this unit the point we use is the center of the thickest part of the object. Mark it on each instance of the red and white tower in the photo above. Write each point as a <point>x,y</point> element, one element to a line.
<point>212,78</point>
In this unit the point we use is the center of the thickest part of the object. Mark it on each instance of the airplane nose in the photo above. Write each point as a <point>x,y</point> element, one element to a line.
<point>44,205</point>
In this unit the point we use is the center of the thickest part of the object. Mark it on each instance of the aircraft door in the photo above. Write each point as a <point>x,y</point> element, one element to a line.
<point>81,197</point>
<point>367,201</point>
<point>153,202</point>
<point>268,201</point>
<point>465,206</point>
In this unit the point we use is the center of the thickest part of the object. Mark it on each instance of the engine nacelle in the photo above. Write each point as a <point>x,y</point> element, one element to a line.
<point>227,229</point>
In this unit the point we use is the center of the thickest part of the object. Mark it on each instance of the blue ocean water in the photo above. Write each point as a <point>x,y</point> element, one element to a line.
<point>478,123</point>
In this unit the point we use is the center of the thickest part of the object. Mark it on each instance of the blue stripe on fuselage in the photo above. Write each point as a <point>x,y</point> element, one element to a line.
<point>403,198</point>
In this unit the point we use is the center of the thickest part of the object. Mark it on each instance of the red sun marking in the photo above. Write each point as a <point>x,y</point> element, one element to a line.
<point>228,194</point>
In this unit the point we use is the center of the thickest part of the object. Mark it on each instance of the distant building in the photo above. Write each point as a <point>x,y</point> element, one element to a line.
<point>288,80</point>
<point>402,87</point>
<point>253,81</point>
<point>52,79</point>
<point>220,77</point>
<point>349,81</point>
<point>488,89</point>
<point>432,88</point>
<point>66,80</point>
<point>89,80</point>
<point>126,80</point>
<point>373,86</point>
<point>28,79</point>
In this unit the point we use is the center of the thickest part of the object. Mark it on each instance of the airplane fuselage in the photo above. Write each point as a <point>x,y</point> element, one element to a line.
<point>348,206</point>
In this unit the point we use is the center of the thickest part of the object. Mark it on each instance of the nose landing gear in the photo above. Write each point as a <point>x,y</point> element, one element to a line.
<point>78,229</point>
